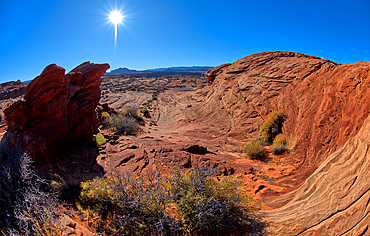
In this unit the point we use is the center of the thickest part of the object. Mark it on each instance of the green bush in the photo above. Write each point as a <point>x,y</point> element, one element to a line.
<point>105,115</point>
<point>99,140</point>
<point>123,124</point>
<point>272,126</point>
<point>254,149</point>
<point>145,113</point>
<point>279,144</point>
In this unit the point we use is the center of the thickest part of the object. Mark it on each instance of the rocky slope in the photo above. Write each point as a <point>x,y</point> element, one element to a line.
<point>325,104</point>
<point>326,107</point>
<point>57,110</point>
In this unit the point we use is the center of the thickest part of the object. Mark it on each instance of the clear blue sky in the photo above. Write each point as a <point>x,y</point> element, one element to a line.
<point>164,33</point>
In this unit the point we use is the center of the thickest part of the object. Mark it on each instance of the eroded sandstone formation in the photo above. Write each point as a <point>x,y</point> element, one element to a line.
<point>325,103</point>
<point>326,106</point>
<point>58,110</point>
<point>334,200</point>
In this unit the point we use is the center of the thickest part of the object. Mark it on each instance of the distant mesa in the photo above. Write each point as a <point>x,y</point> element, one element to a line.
<point>158,72</point>
<point>122,70</point>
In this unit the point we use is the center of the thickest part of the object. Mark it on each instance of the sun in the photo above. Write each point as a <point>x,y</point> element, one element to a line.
<point>115,17</point>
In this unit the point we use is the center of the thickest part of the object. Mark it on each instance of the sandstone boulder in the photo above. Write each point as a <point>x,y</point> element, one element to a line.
<point>57,110</point>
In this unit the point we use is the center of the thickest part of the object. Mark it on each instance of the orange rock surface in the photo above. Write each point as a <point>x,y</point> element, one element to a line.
<point>324,103</point>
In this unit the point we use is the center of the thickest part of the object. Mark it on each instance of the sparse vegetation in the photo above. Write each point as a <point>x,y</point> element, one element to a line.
<point>270,132</point>
<point>272,126</point>
<point>254,149</point>
<point>279,144</point>
<point>183,204</point>
<point>123,124</point>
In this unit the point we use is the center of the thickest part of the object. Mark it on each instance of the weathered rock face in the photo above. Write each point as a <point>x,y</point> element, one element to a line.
<point>334,200</point>
<point>325,104</point>
<point>57,110</point>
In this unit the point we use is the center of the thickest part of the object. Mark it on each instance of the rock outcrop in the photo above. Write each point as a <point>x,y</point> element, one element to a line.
<point>326,107</point>
<point>57,110</point>
<point>324,103</point>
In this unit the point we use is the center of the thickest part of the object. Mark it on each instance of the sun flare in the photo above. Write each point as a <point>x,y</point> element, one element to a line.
<point>115,17</point>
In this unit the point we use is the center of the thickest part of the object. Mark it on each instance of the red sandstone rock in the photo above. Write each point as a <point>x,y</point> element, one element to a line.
<point>334,200</point>
<point>325,104</point>
<point>57,110</point>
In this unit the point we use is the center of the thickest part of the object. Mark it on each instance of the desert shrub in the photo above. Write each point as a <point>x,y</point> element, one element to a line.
<point>181,204</point>
<point>210,206</point>
<point>136,206</point>
<point>105,115</point>
<point>123,124</point>
<point>145,112</point>
<point>99,140</point>
<point>279,144</point>
<point>272,126</point>
<point>28,205</point>
<point>131,112</point>
<point>254,149</point>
